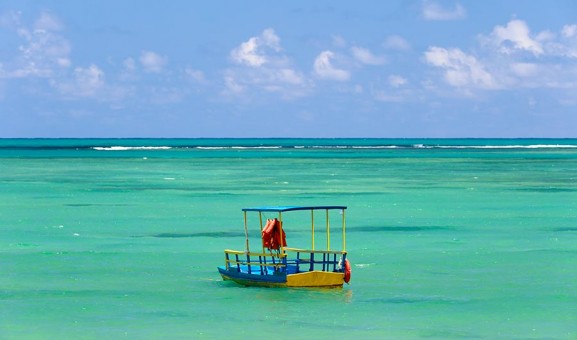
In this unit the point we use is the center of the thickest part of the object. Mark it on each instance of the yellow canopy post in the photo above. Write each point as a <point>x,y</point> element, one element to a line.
<point>281,233</point>
<point>313,228</point>
<point>344,231</point>
<point>328,230</point>
<point>246,233</point>
<point>260,221</point>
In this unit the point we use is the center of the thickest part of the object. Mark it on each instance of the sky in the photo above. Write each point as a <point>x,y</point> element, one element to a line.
<point>323,69</point>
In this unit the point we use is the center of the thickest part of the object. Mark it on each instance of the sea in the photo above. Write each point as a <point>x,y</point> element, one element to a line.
<point>448,238</point>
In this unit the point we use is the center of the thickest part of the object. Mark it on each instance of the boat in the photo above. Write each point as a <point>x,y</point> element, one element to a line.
<point>274,264</point>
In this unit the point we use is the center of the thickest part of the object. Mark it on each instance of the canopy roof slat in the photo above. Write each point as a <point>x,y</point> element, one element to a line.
<point>294,208</point>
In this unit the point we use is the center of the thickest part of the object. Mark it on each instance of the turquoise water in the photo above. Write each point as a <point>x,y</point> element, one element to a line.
<point>448,239</point>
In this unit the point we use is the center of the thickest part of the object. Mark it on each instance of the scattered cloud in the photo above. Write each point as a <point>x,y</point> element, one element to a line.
<point>396,90</point>
<point>383,96</point>
<point>516,36</point>
<point>396,42</point>
<point>86,82</point>
<point>232,86</point>
<point>48,22</point>
<point>254,51</point>
<point>42,52</point>
<point>515,40</point>
<point>508,56</point>
<point>196,75</point>
<point>324,69</point>
<point>432,10</point>
<point>460,69</point>
<point>397,81</point>
<point>339,42</point>
<point>516,58</point>
<point>567,47</point>
<point>152,62</point>
<point>511,57</point>
<point>247,54</point>
<point>129,70</point>
<point>569,31</point>
<point>365,56</point>
<point>129,64</point>
<point>10,19</point>
<point>286,82</point>
<point>525,69</point>
<point>260,65</point>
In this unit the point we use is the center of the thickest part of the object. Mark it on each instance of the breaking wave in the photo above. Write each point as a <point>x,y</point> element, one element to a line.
<point>128,148</point>
<point>336,147</point>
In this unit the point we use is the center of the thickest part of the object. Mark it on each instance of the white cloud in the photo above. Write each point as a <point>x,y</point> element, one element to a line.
<point>516,41</point>
<point>287,75</point>
<point>129,70</point>
<point>515,36</point>
<point>63,62</point>
<point>397,81</point>
<point>152,62</point>
<point>129,64</point>
<point>254,51</point>
<point>323,68</point>
<point>89,79</point>
<point>395,92</point>
<point>384,96</point>
<point>395,42</point>
<point>460,69</point>
<point>287,82</point>
<point>432,10</point>
<point>196,75</point>
<point>524,69</point>
<point>339,41</point>
<point>246,53</point>
<point>232,86</point>
<point>365,56</point>
<point>569,31</point>
<point>42,51</point>
<point>86,82</point>
<point>511,57</point>
<point>270,39</point>
<point>262,67</point>
<point>48,22</point>
<point>10,19</point>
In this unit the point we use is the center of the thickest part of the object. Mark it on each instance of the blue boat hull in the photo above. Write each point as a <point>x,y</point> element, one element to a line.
<point>257,277</point>
<point>291,278</point>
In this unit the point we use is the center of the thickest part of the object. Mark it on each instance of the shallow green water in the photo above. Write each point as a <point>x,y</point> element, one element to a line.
<point>448,238</point>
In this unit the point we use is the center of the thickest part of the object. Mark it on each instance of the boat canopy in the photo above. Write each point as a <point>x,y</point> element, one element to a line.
<point>293,208</point>
<point>275,264</point>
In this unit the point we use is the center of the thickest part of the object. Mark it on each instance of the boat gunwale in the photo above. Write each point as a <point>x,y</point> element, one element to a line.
<point>299,250</point>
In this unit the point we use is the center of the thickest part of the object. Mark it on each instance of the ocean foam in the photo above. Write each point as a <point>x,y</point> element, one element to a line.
<point>341,147</point>
<point>129,148</point>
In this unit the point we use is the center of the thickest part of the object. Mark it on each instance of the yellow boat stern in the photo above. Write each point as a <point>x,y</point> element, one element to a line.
<point>315,279</point>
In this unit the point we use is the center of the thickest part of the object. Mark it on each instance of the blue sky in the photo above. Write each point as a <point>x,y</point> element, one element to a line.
<point>179,68</point>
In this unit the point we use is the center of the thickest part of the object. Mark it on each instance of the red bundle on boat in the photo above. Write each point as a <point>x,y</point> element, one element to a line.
<point>273,235</point>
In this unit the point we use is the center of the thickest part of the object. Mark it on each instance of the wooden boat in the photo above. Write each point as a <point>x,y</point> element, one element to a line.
<point>276,265</point>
